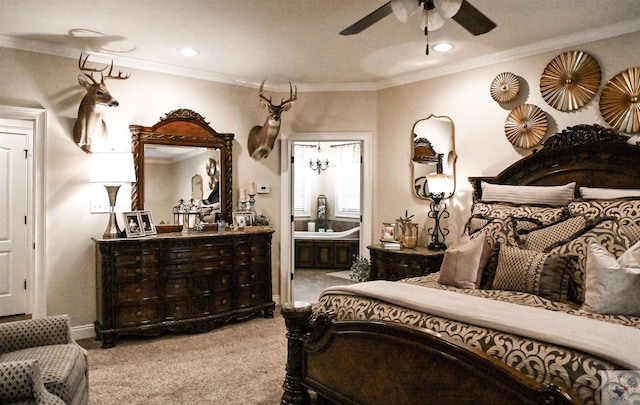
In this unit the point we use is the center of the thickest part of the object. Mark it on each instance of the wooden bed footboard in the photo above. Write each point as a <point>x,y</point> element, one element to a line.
<point>375,362</point>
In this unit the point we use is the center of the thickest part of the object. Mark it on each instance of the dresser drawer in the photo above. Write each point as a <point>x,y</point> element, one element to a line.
<point>131,273</point>
<point>136,257</point>
<point>177,309</point>
<point>201,253</point>
<point>221,302</point>
<point>176,287</point>
<point>130,315</point>
<point>252,295</point>
<point>137,292</point>
<point>250,275</point>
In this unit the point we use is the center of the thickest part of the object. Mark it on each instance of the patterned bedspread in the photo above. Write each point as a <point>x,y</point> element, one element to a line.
<point>544,362</point>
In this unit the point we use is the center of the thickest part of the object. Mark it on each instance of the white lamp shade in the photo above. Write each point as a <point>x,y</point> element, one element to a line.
<point>440,183</point>
<point>112,167</point>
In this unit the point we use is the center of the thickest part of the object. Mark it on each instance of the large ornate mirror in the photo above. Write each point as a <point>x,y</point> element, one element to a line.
<point>174,160</point>
<point>433,157</point>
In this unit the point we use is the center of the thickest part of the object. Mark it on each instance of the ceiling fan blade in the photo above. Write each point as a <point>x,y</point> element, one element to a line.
<point>368,20</point>
<point>473,20</point>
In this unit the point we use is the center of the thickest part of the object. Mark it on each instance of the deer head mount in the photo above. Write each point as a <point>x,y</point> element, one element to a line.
<point>90,130</point>
<point>262,138</point>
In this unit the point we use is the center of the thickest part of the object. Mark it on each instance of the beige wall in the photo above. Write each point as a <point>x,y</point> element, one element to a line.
<point>43,81</point>
<point>481,145</point>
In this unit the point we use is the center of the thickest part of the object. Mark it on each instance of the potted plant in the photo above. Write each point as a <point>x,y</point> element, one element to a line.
<point>360,269</point>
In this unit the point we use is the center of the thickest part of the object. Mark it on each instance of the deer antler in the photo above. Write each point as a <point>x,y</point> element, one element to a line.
<point>293,95</point>
<point>121,75</point>
<point>83,68</point>
<point>268,100</point>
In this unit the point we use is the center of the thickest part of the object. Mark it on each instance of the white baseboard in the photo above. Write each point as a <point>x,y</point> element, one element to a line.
<point>88,332</point>
<point>83,332</point>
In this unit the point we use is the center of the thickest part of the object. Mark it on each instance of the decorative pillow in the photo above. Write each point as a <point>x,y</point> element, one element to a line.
<point>607,193</point>
<point>543,274</point>
<point>607,233</point>
<point>627,212</point>
<point>546,215</point>
<point>463,262</point>
<point>549,235</point>
<point>612,286</point>
<point>544,195</point>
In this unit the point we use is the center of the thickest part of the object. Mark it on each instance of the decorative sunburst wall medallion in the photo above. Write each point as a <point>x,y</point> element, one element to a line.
<point>570,80</point>
<point>525,126</point>
<point>619,104</point>
<point>505,87</point>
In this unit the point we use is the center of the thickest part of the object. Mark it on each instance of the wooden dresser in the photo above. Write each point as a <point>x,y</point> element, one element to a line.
<point>189,282</point>
<point>392,265</point>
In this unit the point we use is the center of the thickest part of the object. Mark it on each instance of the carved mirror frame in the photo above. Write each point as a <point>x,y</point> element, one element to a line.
<point>436,148</point>
<point>183,127</point>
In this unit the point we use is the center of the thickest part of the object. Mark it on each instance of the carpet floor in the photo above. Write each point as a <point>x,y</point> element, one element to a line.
<point>239,363</point>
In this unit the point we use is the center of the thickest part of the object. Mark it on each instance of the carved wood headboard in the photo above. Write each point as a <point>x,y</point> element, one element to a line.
<point>590,155</point>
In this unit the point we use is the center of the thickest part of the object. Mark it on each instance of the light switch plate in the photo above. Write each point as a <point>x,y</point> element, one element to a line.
<point>99,207</point>
<point>263,188</point>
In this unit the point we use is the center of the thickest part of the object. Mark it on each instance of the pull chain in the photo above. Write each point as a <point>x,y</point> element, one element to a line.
<point>426,30</point>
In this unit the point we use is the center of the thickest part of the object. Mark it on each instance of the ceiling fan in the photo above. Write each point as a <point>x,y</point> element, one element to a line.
<point>435,13</point>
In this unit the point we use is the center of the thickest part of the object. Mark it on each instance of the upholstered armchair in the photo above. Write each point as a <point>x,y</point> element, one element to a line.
<point>40,363</point>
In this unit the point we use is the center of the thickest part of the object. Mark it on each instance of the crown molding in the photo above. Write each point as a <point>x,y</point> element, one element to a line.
<point>609,31</point>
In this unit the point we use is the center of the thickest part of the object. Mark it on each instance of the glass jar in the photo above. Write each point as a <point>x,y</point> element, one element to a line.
<point>407,233</point>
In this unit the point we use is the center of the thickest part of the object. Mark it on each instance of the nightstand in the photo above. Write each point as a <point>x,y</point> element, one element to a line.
<point>392,265</point>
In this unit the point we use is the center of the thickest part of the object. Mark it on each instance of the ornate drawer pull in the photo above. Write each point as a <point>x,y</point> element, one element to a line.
<point>252,276</point>
<point>138,290</point>
<point>224,301</point>
<point>139,314</point>
<point>138,258</point>
<point>176,286</point>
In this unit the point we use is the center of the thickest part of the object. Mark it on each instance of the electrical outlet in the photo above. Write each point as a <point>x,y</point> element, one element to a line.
<point>99,207</point>
<point>263,188</point>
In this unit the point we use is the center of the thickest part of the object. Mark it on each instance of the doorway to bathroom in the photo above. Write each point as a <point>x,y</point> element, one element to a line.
<point>329,204</point>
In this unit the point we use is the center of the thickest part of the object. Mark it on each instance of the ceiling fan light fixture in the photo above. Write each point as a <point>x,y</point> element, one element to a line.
<point>448,8</point>
<point>402,9</point>
<point>443,47</point>
<point>432,20</point>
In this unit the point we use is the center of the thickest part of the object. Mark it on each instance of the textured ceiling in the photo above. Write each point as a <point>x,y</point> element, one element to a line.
<point>247,41</point>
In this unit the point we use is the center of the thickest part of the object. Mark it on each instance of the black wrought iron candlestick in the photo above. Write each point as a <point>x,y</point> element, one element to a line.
<point>437,233</point>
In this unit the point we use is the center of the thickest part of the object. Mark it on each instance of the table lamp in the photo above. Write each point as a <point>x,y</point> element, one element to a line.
<point>112,169</point>
<point>440,185</point>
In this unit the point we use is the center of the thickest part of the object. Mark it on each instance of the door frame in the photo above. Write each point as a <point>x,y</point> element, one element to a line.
<point>286,183</point>
<point>36,283</point>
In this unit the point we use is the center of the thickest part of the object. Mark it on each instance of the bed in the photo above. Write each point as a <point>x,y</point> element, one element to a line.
<point>529,320</point>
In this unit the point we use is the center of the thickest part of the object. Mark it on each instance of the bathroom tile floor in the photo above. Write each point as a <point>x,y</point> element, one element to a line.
<point>309,283</point>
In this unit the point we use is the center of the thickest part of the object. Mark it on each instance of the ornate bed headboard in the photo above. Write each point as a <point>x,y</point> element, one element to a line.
<point>590,155</point>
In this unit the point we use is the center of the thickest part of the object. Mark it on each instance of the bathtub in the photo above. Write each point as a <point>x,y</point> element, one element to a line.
<point>353,233</point>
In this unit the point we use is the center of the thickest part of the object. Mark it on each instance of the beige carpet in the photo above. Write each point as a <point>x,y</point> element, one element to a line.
<point>239,363</point>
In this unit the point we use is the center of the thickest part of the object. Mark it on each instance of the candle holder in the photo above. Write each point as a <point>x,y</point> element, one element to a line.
<point>244,205</point>
<point>252,201</point>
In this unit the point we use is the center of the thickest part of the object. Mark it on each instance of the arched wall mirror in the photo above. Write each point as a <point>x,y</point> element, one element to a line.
<point>181,158</point>
<point>433,157</point>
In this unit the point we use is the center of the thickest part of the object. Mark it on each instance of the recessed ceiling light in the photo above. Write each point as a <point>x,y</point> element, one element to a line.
<point>189,51</point>
<point>444,47</point>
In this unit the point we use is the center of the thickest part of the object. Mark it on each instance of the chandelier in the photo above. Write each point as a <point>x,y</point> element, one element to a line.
<point>319,166</point>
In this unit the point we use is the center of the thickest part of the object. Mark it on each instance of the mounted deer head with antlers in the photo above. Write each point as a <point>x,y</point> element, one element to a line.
<point>262,138</point>
<point>90,129</point>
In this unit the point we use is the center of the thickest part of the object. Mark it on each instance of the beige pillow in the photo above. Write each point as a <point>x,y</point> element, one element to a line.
<point>607,193</point>
<point>546,195</point>
<point>461,265</point>
<point>612,286</point>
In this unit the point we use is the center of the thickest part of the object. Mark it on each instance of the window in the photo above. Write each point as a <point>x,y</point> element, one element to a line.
<point>301,205</point>
<point>348,179</point>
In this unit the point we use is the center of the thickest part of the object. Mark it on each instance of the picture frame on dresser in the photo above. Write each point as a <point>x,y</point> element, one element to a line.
<point>146,220</point>
<point>132,224</point>
<point>243,218</point>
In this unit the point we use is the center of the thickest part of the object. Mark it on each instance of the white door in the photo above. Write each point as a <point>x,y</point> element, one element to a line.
<point>13,221</point>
